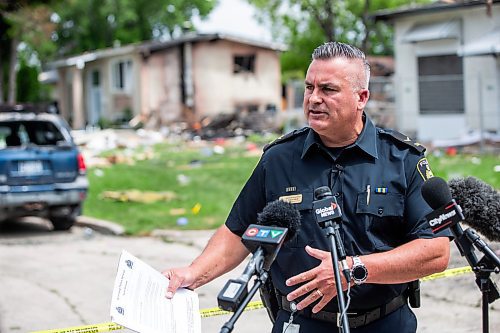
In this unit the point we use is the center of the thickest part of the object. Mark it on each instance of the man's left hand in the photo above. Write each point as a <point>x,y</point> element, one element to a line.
<point>318,283</point>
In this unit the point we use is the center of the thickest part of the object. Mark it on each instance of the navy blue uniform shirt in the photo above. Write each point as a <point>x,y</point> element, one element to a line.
<point>377,183</point>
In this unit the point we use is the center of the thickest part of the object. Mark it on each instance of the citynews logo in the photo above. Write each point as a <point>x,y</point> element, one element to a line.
<point>443,217</point>
<point>326,211</point>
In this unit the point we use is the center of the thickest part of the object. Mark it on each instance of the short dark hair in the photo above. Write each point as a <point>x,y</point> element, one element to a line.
<point>332,50</point>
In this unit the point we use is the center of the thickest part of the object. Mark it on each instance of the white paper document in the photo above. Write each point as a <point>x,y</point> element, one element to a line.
<point>139,301</point>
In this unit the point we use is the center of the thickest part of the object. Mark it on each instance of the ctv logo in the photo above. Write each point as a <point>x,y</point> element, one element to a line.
<point>263,233</point>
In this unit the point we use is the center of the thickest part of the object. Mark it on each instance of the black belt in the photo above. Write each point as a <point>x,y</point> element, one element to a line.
<point>354,319</point>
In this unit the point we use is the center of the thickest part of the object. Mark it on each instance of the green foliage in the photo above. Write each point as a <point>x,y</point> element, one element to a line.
<point>93,24</point>
<point>305,24</point>
<point>28,87</point>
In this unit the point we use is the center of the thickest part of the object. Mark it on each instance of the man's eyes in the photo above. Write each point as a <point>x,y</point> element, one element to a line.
<point>325,88</point>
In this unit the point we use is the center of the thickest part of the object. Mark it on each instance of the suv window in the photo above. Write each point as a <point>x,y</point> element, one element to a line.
<point>40,133</point>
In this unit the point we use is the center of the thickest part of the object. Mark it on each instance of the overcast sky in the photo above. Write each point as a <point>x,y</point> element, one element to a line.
<point>234,17</point>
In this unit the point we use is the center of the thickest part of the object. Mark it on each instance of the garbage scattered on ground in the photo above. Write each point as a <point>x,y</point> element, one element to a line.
<point>177,211</point>
<point>138,196</point>
<point>182,221</point>
<point>196,208</point>
<point>183,180</point>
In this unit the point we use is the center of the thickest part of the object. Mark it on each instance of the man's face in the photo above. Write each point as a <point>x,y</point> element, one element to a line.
<point>334,99</point>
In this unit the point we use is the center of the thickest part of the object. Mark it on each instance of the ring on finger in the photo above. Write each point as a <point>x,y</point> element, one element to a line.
<point>320,294</point>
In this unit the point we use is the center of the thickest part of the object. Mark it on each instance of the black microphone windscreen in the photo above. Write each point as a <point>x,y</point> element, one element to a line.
<point>480,204</point>
<point>436,192</point>
<point>280,214</point>
<point>322,192</point>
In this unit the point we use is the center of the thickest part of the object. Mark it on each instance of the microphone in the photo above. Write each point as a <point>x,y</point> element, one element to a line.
<point>277,223</point>
<point>480,203</point>
<point>326,209</point>
<point>447,213</point>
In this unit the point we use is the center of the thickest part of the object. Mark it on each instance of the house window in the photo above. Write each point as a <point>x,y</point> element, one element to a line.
<point>441,86</point>
<point>244,64</point>
<point>122,75</point>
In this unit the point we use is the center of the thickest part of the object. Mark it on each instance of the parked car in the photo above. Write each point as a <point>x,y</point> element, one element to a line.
<point>42,172</point>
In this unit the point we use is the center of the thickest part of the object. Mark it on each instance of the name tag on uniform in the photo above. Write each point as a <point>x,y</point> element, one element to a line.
<point>293,199</point>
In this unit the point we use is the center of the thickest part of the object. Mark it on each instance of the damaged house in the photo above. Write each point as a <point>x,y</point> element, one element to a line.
<point>189,78</point>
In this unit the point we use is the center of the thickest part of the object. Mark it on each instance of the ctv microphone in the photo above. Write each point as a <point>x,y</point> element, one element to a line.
<point>277,223</point>
<point>480,204</point>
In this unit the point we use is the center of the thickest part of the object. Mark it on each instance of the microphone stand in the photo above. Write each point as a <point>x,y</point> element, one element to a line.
<point>261,278</point>
<point>490,263</point>
<point>332,233</point>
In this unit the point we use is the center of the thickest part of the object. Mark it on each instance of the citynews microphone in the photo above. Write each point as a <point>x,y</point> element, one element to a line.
<point>447,213</point>
<point>480,204</point>
<point>477,204</point>
<point>326,209</point>
<point>276,224</point>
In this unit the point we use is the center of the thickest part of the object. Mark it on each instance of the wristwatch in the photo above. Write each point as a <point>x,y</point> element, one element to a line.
<point>359,273</point>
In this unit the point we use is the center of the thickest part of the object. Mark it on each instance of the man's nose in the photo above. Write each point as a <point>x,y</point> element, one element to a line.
<point>315,97</point>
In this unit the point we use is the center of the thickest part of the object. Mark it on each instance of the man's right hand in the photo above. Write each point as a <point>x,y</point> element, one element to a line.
<point>180,277</point>
<point>223,252</point>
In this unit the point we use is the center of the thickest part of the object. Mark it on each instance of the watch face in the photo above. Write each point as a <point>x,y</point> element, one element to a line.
<point>359,273</point>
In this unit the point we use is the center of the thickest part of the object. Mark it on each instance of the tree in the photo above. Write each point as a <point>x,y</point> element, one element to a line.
<point>304,24</point>
<point>20,21</point>
<point>85,25</point>
<point>53,28</point>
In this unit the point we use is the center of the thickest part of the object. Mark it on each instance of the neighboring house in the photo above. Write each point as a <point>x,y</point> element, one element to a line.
<point>188,78</point>
<point>447,68</point>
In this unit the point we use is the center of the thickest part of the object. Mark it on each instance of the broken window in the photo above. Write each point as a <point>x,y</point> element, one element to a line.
<point>122,75</point>
<point>244,64</point>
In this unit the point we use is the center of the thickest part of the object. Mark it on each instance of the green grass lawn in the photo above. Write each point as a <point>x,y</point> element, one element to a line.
<point>214,182</point>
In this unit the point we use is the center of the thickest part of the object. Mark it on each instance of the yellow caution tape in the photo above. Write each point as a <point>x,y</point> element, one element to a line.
<point>104,327</point>
<point>212,312</point>
<point>448,273</point>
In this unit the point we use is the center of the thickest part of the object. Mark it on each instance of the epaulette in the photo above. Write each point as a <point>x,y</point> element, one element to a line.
<point>404,139</point>
<point>286,137</point>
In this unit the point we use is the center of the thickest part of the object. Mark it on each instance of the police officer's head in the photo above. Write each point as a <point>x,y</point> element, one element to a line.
<point>336,92</point>
<point>332,50</point>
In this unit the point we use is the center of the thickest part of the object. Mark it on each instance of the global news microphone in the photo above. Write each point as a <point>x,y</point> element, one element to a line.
<point>376,176</point>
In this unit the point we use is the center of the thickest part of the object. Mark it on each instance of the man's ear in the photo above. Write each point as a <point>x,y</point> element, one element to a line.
<point>363,96</point>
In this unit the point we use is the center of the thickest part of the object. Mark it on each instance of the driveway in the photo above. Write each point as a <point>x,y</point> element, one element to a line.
<point>54,280</point>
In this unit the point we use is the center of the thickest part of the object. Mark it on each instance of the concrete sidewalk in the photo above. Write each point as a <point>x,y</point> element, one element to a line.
<point>54,280</point>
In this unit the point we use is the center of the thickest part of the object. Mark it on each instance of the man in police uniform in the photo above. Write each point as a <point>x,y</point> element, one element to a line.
<point>376,176</point>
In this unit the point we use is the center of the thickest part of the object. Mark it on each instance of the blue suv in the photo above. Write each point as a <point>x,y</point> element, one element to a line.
<point>42,172</point>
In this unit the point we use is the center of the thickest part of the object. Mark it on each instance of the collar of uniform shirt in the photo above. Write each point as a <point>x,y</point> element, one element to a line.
<point>367,140</point>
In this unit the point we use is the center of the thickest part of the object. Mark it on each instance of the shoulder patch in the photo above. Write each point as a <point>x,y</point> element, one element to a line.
<point>286,137</point>
<point>403,139</point>
<point>424,169</point>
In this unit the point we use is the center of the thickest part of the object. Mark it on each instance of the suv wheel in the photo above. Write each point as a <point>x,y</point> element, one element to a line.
<point>62,223</point>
